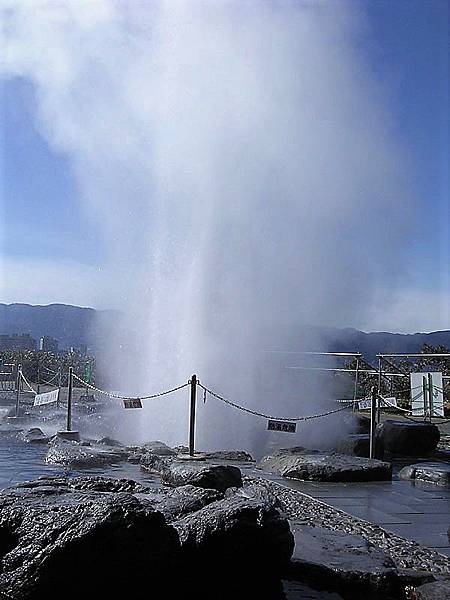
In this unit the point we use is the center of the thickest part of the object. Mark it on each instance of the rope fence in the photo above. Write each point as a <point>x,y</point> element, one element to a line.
<point>120,397</point>
<point>271,417</point>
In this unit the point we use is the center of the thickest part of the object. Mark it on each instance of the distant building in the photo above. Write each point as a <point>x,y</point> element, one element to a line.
<point>83,349</point>
<point>16,341</point>
<point>48,344</point>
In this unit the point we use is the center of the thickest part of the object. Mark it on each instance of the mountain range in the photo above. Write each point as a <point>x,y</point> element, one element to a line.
<point>75,325</point>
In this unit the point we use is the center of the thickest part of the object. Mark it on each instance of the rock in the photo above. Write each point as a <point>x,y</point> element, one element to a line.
<point>294,450</point>
<point>107,441</point>
<point>358,423</point>
<point>321,466</point>
<point>36,436</point>
<point>340,561</point>
<point>435,590</point>
<point>181,449</point>
<point>85,483</point>
<point>123,538</point>
<point>431,472</point>
<point>159,448</point>
<point>110,539</point>
<point>246,532</point>
<point>407,437</point>
<point>217,477</point>
<point>362,424</point>
<point>151,463</point>
<point>176,503</point>
<point>357,444</point>
<point>233,455</point>
<point>74,455</point>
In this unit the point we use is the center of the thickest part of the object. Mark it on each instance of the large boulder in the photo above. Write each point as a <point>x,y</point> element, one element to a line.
<point>243,524</point>
<point>409,438</point>
<point>357,444</point>
<point>123,537</point>
<point>79,456</point>
<point>53,534</point>
<point>431,472</point>
<point>336,560</point>
<point>217,477</point>
<point>321,466</point>
<point>177,503</point>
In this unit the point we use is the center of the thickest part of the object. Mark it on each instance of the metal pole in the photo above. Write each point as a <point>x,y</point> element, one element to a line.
<point>373,423</point>
<point>38,376</point>
<point>59,384</point>
<point>355,392</point>
<point>379,389</point>
<point>69,400</point>
<point>18,380</point>
<point>430,394</point>
<point>425,396</point>
<point>192,415</point>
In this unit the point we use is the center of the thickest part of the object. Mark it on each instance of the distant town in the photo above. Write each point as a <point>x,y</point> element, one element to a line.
<point>47,343</point>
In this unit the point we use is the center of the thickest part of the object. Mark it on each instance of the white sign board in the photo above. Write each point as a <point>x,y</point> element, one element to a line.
<point>367,402</point>
<point>46,398</point>
<point>419,403</point>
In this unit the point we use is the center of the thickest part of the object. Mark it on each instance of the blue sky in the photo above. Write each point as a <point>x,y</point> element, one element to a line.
<point>407,45</point>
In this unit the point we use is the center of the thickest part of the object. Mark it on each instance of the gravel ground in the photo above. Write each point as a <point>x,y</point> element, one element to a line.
<point>444,442</point>
<point>406,554</point>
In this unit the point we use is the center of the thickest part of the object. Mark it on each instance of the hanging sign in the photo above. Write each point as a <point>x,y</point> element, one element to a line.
<point>132,403</point>
<point>46,398</point>
<point>285,426</point>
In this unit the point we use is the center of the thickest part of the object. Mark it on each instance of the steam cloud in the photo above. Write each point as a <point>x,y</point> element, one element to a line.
<point>238,160</point>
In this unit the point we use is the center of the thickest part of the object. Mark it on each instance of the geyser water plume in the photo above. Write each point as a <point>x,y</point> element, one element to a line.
<point>238,160</point>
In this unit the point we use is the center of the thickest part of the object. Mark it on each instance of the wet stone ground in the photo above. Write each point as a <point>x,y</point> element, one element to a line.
<point>406,554</point>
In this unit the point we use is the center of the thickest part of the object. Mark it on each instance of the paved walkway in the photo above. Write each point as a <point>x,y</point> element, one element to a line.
<point>416,511</point>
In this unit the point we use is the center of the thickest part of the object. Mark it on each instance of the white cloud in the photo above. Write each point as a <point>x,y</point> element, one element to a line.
<point>410,311</point>
<point>48,281</point>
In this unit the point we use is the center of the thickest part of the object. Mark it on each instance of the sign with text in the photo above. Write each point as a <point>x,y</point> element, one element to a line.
<point>46,398</point>
<point>285,426</point>
<point>367,403</point>
<point>132,403</point>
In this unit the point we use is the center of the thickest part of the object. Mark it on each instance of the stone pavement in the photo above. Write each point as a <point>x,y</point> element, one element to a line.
<point>415,511</point>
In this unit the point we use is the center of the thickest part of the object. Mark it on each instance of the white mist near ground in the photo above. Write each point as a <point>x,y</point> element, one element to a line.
<point>238,161</point>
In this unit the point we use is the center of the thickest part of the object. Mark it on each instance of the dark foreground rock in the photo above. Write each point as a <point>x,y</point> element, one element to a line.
<point>120,539</point>
<point>408,438</point>
<point>79,456</point>
<point>217,477</point>
<point>339,561</point>
<point>431,472</point>
<point>242,522</point>
<point>53,534</point>
<point>320,466</point>
<point>177,503</point>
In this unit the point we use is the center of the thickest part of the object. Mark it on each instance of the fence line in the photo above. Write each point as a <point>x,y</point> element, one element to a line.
<point>265,416</point>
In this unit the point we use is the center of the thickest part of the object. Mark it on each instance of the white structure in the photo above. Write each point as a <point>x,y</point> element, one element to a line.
<point>419,401</point>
